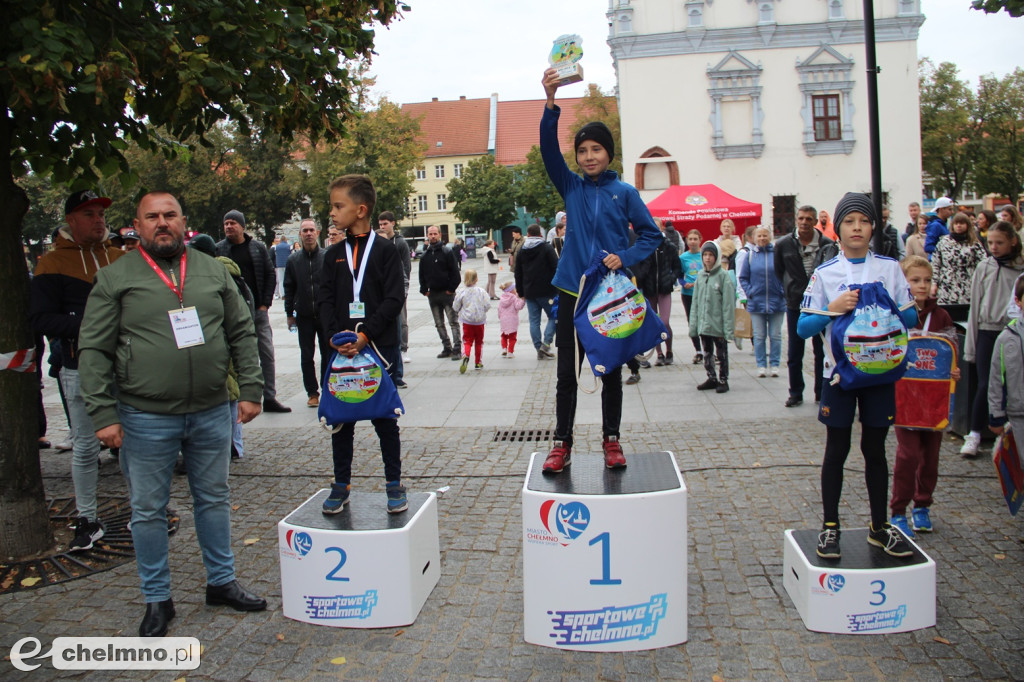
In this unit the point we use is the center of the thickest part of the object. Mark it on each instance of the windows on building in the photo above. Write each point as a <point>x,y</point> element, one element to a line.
<point>457,170</point>
<point>835,10</point>
<point>825,110</point>
<point>826,83</point>
<point>736,112</point>
<point>695,14</point>
<point>421,203</point>
<point>421,173</point>
<point>442,202</point>
<point>783,214</point>
<point>439,172</point>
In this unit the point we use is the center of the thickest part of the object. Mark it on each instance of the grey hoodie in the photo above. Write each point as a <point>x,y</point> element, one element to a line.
<point>1006,377</point>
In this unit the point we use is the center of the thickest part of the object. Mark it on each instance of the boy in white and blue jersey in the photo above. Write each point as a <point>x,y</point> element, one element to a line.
<point>828,295</point>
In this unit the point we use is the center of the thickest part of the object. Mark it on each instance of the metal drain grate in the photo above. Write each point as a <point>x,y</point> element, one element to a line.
<point>522,435</point>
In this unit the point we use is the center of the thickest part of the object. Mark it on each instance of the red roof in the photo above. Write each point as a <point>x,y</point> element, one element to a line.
<point>461,126</point>
<point>519,128</point>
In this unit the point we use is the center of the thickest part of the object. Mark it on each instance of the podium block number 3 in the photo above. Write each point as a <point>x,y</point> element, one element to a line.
<point>606,561</point>
<point>342,557</point>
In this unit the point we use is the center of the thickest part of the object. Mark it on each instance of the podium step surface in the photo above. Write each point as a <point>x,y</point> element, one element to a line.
<point>362,567</point>
<point>866,591</point>
<point>587,475</point>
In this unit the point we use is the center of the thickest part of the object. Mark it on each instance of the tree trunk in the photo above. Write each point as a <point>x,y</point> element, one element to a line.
<point>24,520</point>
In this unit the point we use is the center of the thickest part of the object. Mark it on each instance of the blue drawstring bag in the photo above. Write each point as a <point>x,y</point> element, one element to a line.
<point>612,319</point>
<point>357,388</point>
<point>869,343</point>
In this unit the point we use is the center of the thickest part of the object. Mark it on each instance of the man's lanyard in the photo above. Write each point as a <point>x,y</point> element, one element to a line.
<point>357,279</point>
<point>178,290</point>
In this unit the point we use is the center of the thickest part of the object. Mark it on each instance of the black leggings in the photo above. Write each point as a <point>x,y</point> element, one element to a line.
<point>876,470</point>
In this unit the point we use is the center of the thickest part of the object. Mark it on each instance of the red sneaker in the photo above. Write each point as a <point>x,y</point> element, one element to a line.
<point>613,457</point>
<point>558,458</point>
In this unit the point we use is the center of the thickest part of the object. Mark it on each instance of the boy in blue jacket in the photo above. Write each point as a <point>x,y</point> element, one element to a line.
<point>600,209</point>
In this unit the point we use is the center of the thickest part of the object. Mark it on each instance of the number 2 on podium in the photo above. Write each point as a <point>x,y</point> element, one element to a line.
<point>342,558</point>
<point>606,561</point>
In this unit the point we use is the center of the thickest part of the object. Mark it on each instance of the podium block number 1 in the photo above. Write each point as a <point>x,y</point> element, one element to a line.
<point>342,558</point>
<point>606,561</point>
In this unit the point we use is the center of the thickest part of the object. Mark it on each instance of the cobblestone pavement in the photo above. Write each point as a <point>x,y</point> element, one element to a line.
<point>751,467</point>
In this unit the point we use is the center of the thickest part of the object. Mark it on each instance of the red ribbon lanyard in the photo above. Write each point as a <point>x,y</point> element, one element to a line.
<point>178,290</point>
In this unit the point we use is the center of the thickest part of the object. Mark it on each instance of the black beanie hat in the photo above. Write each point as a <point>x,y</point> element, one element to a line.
<point>599,133</point>
<point>237,216</point>
<point>850,203</point>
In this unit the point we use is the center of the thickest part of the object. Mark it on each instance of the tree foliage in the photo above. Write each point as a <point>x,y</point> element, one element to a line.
<point>534,189</point>
<point>484,196</point>
<point>597,106</point>
<point>83,81</point>
<point>1015,8</point>
<point>1000,112</point>
<point>949,132</point>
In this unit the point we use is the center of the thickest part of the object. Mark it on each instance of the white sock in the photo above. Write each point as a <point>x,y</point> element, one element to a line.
<point>975,434</point>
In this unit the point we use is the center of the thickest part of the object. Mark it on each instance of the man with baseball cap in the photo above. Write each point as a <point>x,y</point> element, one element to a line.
<point>944,208</point>
<point>131,240</point>
<point>61,285</point>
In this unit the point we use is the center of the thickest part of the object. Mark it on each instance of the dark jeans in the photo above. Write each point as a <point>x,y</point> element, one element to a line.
<point>983,347</point>
<point>565,385</point>
<point>716,347</point>
<point>687,302</point>
<point>310,332</point>
<point>795,358</point>
<point>387,432</point>
<point>440,307</point>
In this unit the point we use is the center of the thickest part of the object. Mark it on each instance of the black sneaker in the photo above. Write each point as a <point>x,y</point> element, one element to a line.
<point>633,379</point>
<point>271,405</point>
<point>723,387</point>
<point>400,384</point>
<point>86,533</point>
<point>828,541</point>
<point>708,385</point>
<point>793,401</point>
<point>669,359</point>
<point>446,353</point>
<point>698,358</point>
<point>891,540</point>
<point>660,362</point>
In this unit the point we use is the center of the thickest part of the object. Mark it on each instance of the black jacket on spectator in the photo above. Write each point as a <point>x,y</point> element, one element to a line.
<point>302,282</point>
<point>439,269</point>
<point>535,268</point>
<point>266,276</point>
<point>659,272</point>
<point>789,266</point>
<point>383,291</point>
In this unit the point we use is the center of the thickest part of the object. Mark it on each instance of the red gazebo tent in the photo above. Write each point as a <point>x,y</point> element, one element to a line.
<point>703,207</point>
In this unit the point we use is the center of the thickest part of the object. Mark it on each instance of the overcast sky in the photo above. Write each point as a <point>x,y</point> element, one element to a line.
<point>448,48</point>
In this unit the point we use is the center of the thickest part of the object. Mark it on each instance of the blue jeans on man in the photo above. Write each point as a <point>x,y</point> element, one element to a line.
<point>534,306</point>
<point>151,444</point>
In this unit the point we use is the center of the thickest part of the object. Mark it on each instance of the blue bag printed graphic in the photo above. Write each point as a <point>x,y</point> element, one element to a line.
<point>612,318</point>
<point>357,388</point>
<point>869,343</point>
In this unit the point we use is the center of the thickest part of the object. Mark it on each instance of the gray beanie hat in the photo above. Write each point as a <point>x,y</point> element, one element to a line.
<point>854,202</point>
<point>237,216</point>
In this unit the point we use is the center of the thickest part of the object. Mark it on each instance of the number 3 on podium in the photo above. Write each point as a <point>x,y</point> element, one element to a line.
<point>606,561</point>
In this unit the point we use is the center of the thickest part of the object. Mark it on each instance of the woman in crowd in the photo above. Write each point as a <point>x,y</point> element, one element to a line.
<point>915,242</point>
<point>985,220</point>
<point>766,301</point>
<point>956,257</point>
<point>1010,214</point>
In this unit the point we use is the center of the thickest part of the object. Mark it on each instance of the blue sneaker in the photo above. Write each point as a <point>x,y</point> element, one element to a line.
<point>922,520</point>
<point>337,500</point>
<point>397,499</point>
<point>900,521</point>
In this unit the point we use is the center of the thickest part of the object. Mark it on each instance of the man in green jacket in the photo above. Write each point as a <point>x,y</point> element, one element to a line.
<point>155,343</point>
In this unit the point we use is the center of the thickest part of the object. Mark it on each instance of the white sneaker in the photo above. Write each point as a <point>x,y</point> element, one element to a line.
<point>762,372</point>
<point>511,356</point>
<point>406,359</point>
<point>971,444</point>
<point>775,371</point>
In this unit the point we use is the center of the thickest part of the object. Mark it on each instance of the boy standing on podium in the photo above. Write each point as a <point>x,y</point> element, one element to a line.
<point>600,210</point>
<point>362,291</point>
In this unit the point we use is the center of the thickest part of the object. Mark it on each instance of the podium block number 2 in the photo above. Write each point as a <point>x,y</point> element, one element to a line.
<point>342,557</point>
<point>606,561</point>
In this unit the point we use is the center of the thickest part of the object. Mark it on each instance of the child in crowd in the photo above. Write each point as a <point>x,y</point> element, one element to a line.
<point>600,210</point>
<point>916,468</point>
<point>712,316</point>
<point>362,290</point>
<point>829,295</point>
<point>991,284</point>
<point>508,315</point>
<point>727,253</point>
<point>472,304</point>
<point>1005,388</point>
<point>691,263</point>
